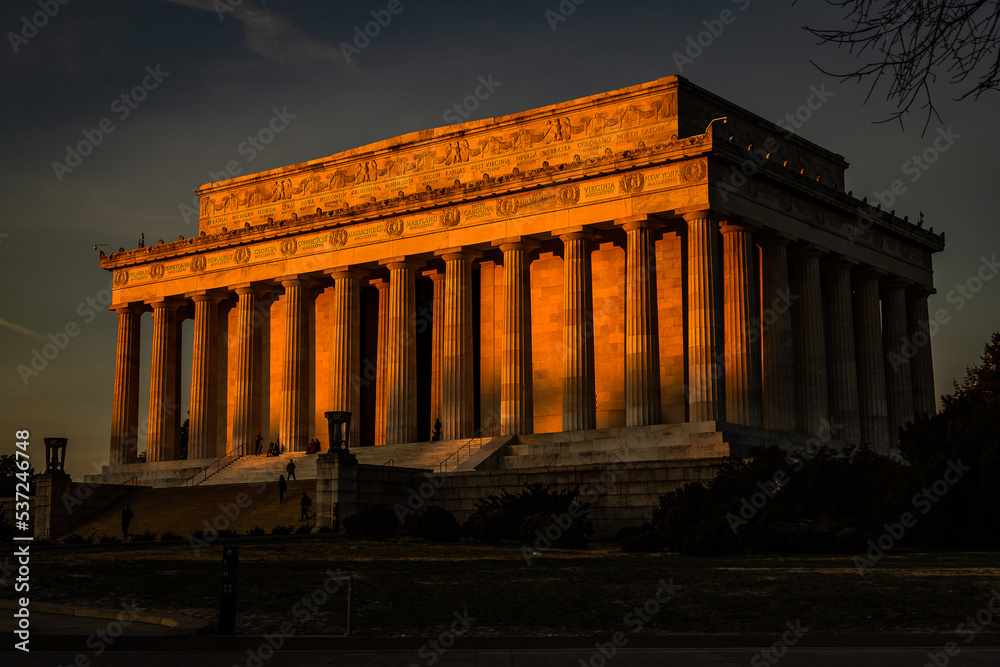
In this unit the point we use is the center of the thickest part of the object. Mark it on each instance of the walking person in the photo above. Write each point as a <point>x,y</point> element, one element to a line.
<point>290,469</point>
<point>282,487</point>
<point>258,444</point>
<point>306,503</point>
<point>127,515</point>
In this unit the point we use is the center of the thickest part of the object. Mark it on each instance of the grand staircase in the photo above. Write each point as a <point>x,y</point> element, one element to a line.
<point>184,510</point>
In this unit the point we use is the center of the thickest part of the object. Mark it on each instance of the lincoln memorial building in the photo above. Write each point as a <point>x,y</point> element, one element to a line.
<point>652,269</point>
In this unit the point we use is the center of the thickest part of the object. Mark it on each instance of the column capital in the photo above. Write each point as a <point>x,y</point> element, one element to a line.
<point>204,295</point>
<point>379,283</point>
<point>806,250</point>
<point>773,237</point>
<point>166,302</point>
<point>137,308</point>
<point>342,272</point>
<point>839,261</point>
<point>402,262</point>
<point>631,222</point>
<point>574,232</point>
<point>458,252</point>
<point>894,282</point>
<point>698,213</point>
<point>434,274</point>
<point>515,242</point>
<point>249,288</point>
<point>922,290</point>
<point>869,272</point>
<point>730,225</point>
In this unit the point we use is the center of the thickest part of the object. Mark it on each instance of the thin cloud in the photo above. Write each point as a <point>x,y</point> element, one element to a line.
<point>17,328</point>
<point>272,36</point>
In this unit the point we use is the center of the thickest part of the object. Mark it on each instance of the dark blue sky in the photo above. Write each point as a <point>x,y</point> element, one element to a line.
<point>224,79</point>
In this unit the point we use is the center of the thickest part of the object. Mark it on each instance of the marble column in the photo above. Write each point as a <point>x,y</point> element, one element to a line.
<point>578,399</point>
<point>381,360</point>
<point>921,364</point>
<point>161,443</point>
<point>872,406</point>
<point>437,341</point>
<point>741,340</point>
<point>294,428</point>
<point>642,341</point>
<point>705,357</point>
<point>841,357</point>
<point>246,402</point>
<point>401,354</point>
<point>203,429</point>
<point>777,349</point>
<point>898,379</point>
<point>457,417</point>
<point>812,397</point>
<point>346,345</point>
<point>125,408</point>
<point>516,407</point>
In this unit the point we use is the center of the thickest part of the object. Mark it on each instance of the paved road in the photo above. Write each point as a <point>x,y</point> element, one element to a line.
<point>796,657</point>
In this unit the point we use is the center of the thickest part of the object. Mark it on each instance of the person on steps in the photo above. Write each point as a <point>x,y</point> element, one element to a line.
<point>306,503</point>
<point>290,469</point>
<point>282,486</point>
<point>127,515</point>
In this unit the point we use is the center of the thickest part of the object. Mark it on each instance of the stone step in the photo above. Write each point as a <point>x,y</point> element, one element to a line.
<point>603,444</point>
<point>185,510</point>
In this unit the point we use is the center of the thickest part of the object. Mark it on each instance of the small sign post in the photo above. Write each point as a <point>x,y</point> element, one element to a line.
<point>227,598</point>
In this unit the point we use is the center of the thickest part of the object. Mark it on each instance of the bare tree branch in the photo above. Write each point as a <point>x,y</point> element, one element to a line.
<point>911,42</point>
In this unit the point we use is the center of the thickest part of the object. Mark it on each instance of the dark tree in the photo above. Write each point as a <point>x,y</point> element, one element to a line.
<point>9,478</point>
<point>913,42</point>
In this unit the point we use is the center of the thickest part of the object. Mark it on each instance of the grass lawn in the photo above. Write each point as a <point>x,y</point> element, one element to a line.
<point>409,587</point>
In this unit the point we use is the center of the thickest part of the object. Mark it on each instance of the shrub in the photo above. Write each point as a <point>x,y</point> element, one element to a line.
<point>492,525</point>
<point>553,530</point>
<point>79,539</point>
<point>303,530</point>
<point>144,537</point>
<point>535,501</point>
<point>256,531</point>
<point>645,538</point>
<point>373,523</point>
<point>109,539</point>
<point>170,537</point>
<point>283,530</point>
<point>325,529</point>
<point>437,525</point>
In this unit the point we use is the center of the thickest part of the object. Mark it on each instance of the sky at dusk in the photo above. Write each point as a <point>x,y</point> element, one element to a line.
<point>199,78</point>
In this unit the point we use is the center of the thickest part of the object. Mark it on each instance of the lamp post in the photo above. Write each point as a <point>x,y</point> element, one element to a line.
<point>55,454</point>
<point>339,429</point>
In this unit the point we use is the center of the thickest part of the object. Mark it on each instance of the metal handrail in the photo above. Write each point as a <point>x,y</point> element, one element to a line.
<point>390,462</point>
<point>479,436</point>
<point>216,466</point>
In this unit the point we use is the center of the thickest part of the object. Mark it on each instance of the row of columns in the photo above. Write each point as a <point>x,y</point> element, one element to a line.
<point>835,351</point>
